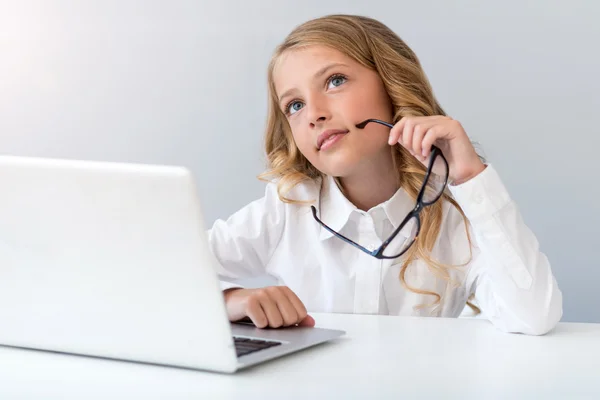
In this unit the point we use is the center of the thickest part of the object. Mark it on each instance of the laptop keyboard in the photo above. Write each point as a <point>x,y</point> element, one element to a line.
<point>244,346</point>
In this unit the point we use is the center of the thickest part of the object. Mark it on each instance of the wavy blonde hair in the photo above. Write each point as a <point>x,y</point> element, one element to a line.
<point>375,46</point>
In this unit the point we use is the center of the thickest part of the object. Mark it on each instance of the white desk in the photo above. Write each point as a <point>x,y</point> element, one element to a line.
<point>380,358</point>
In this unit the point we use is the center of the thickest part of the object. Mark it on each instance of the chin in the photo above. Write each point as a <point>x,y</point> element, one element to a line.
<point>338,168</point>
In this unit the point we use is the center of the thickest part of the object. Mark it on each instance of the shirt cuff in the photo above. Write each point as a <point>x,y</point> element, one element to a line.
<point>481,196</point>
<point>228,285</point>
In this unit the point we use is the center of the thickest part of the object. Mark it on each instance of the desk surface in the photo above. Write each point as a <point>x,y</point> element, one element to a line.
<point>380,357</point>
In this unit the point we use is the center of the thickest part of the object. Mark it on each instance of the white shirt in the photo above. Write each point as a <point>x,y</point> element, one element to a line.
<point>511,279</point>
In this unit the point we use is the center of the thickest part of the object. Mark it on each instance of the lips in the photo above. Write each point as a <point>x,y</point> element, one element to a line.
<point>329,135</point>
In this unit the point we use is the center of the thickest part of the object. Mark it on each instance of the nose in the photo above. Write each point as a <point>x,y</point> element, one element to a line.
<point>318,111</point>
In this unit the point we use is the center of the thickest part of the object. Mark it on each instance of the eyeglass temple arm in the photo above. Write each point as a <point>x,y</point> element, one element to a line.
<point>345,239</point>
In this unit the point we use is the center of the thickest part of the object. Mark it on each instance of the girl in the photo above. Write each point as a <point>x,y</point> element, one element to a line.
<point>361,218</point>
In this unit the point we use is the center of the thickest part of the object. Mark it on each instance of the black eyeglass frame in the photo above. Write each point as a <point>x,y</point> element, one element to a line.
<point>415,213</point>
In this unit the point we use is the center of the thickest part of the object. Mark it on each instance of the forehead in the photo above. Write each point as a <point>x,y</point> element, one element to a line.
<point>298,66</point>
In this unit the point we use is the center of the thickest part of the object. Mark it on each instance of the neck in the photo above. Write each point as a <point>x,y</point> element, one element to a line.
<point>373,183</point>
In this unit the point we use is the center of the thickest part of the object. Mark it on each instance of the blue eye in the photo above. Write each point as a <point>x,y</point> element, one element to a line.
<point>336,81</point>
<point>294,106</point>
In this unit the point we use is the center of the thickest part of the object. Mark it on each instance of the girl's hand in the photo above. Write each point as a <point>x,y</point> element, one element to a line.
<point>273,306</point>
<point>417,134</point>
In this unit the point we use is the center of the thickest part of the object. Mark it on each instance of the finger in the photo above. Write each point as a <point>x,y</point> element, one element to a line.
<point>297,303</point>
<point>407,134</point>
<point>256,313</point>
<point>307,321</point>
<point>428,140</point>
<point>420,131</point>
<point>415,146</point>
<point>396,132</point>
<point>270,309</point>
<point>286,309</point>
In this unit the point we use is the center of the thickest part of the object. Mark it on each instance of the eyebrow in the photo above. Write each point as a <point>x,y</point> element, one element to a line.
<point>318,74</point>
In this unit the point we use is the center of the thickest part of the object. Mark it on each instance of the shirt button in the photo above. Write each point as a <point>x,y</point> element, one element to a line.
<point>478,198</point>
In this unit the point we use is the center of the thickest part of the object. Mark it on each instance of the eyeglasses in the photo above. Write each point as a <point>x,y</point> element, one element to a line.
<point>407,232</point>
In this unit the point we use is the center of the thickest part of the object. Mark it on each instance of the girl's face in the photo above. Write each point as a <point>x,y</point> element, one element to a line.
<point>324,94</point>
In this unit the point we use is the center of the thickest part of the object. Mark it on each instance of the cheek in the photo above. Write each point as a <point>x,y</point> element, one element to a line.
<point>373,103</point>
<point>373,107</point>
<point>303,141</point>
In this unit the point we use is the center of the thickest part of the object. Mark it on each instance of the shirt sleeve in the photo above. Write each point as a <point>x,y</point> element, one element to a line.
<point>509,275</point>
<point>243,244</point>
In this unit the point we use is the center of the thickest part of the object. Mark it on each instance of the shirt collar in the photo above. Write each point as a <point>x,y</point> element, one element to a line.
<point>335,210</point>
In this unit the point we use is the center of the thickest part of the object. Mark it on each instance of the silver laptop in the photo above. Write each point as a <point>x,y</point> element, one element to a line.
<point>112,260</point>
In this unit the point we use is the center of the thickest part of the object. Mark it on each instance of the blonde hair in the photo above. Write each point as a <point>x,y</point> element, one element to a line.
<point>375,46</point>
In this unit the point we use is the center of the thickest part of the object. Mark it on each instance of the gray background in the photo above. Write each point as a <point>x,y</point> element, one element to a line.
<point>183,82</point>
